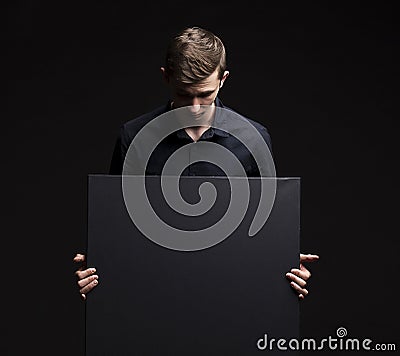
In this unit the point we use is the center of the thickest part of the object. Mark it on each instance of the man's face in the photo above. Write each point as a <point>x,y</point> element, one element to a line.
<point>195,95</point>
<point>197,98</point>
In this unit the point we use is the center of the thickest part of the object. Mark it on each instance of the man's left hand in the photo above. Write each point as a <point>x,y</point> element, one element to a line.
<point>298,276</point>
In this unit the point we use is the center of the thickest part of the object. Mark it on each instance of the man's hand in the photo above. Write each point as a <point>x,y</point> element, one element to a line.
<point>87,280</point>
<point>299,276</point>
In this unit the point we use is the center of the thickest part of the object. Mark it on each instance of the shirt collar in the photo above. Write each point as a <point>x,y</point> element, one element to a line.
<point>220,119</point>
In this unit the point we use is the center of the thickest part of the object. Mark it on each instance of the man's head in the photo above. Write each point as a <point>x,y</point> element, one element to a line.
<point>195,67</point>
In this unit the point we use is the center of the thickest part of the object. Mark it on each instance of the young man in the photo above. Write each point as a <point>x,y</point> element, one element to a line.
<point>195,71</point>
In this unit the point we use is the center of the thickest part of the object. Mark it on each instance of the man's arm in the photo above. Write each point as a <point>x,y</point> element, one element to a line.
<point>87,279</point>
<point>118,157</point>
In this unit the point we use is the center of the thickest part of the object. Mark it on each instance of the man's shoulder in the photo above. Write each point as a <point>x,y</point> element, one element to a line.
<point>256,124</point>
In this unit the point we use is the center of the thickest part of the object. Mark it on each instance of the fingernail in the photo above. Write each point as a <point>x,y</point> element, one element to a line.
<point>95,276</point>
<point>95,281</point>
<point>93,270</point>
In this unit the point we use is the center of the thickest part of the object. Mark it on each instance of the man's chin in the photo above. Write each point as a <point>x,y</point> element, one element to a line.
<point>201,118</point>
<point>198,116</point>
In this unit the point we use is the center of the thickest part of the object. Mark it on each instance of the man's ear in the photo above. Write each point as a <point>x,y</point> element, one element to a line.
<point>164,74</point>
<point>226,74</point>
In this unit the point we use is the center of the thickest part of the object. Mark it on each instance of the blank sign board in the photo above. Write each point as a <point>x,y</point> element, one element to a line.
<point>221,300</point>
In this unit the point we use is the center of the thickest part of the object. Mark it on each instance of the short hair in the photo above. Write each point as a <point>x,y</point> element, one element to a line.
<point>194,54</point>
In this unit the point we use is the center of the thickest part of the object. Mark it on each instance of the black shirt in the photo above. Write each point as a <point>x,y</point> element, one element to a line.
<point>180,138</point>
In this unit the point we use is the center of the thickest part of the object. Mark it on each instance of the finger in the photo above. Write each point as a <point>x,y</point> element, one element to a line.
<point>308,257</point>
<point>83,296</point>
<point>303,273</point>
<point>85,281</point>
<point>304,269</point>
<point>85,273</point>
<point>79,258</point>
<point>89,287</point>
<point>298,289</point>
<point>301,282</point>
<point>301,296</point>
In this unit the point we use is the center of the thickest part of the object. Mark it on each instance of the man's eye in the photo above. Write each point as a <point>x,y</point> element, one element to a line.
<point>184,95</point>
<point>205,95</point>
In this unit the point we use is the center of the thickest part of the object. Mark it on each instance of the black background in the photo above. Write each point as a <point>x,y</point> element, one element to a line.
<point>321,78</point>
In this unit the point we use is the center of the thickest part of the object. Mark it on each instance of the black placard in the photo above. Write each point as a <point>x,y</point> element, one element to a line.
<point>222,300</point>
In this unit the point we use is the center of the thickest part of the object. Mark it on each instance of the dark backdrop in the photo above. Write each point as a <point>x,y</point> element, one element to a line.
<point>323,79</point>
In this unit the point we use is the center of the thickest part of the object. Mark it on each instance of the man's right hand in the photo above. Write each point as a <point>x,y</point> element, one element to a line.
<point>87,280</point>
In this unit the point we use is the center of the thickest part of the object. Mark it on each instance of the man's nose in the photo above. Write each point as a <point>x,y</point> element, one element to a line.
<point>195,105</point>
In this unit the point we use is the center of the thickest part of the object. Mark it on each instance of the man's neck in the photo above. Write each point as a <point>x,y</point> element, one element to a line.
<point>195,132</point>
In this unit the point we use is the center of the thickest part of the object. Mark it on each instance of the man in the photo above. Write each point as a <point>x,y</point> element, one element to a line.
<point>195,71</point>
